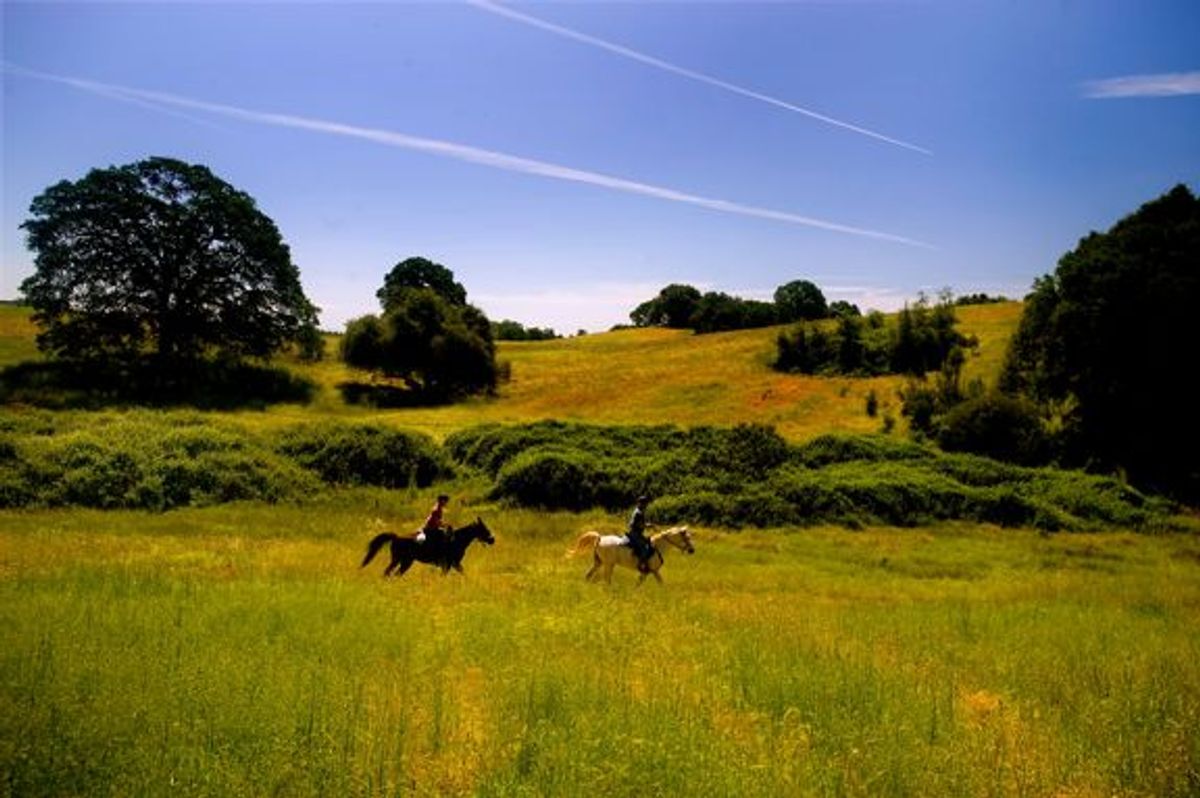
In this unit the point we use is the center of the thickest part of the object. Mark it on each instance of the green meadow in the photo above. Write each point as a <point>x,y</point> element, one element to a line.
<point>238,649</point>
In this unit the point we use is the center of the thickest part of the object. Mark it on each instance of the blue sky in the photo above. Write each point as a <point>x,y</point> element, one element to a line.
<point>567,160</point>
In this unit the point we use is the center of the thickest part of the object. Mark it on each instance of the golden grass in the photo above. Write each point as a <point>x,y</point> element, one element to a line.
<point>642,376</point>
<point>659,376</point>
<point>17,335</point>
<point>240,650</point>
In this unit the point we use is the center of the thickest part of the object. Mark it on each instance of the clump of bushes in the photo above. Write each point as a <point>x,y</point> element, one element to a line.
<point>158,461</point>
<point>145,462</point>
<point>996,425</point>
<point>749,476</point>
<point>922,338</point>
<point>363,454</point>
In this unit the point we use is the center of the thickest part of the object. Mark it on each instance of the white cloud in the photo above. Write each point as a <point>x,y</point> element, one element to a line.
<point>1169,84</point>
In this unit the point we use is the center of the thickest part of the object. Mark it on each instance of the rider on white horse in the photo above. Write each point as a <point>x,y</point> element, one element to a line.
<point>637,535</point>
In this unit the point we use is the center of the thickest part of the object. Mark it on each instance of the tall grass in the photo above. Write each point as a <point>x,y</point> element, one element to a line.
<point>237,650</point>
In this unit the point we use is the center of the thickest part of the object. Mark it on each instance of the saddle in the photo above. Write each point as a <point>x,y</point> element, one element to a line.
<point>642,552</point>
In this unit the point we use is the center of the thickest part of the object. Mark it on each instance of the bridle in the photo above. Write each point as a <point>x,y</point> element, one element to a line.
<point>685,546</point>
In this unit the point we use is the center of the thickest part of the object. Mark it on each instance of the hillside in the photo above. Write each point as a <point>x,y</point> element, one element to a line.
<point>629,376</point>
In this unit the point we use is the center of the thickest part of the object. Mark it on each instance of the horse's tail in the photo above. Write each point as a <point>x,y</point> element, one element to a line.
<point>376,544</point>
<point>588,541</point>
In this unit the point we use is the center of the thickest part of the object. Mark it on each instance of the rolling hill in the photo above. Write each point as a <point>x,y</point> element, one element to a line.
<point>642,376</point>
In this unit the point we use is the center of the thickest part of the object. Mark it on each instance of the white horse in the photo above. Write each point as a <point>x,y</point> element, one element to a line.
<point>609,551</point>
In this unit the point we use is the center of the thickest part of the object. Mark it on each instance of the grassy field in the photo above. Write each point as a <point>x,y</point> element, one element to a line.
<point>645,376</point>
<point>238,649</point>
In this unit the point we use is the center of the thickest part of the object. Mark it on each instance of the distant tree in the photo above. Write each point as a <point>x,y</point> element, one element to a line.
<point>841,308</point>
<point>673,307</point>
<point>851,351</point>
<point>980,299</point>
<point>509,330</point>
<point>921,339</point>
<point>161,256</point>
<point>442,348</point>
<point>1105,332</point>
<point>719,312</point>
<point>420,273</point>
<point>800,299</point>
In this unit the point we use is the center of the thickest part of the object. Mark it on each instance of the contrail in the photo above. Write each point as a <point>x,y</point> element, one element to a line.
<point>460,152</point>
<point>649,60</point>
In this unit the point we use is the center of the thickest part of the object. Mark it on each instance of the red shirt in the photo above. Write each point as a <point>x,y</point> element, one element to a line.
<point>434,521</point>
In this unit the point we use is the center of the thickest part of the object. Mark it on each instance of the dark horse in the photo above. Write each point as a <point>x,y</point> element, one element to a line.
<point>407,550</point>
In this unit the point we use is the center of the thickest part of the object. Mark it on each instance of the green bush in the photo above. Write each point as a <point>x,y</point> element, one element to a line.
<point>146,461</point>
<point>343,454</point>
<point>155,460</point>
<point>748,476</point>
<point>828,449</point>
<point>998,426</point>
<point>554,480</point>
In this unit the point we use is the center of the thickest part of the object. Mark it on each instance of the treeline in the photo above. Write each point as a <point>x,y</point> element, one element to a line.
<point>685,307</point>
<point>1094,375</point>
<point>922,338</point>
<point>681,306</point>
<point>509,330</point>
<point>744,476</point>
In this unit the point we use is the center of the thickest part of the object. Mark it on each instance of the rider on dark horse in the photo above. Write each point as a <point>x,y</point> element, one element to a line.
<point>637,535</point>
<point>434,531</point>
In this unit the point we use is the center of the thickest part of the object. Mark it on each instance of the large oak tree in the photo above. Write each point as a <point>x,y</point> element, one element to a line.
<point>160,257</point>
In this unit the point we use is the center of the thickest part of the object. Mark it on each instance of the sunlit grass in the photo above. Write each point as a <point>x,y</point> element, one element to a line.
<point>16,335</point>
<point>239,650</point>
<point>649,376</point>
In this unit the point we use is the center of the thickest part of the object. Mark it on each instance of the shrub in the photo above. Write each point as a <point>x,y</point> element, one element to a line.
<point>343,454</point>
<point>998,426</point>
<point>146,461</point>
<point>553,480</point>
<point>828,449</point>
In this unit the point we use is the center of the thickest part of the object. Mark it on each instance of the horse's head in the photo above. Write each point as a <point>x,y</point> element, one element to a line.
<point>681,538</point>
<point>479,531</point>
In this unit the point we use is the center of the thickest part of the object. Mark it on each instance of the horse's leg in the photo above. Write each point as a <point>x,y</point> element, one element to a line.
<point>405,564</point>
<point>657,576</point>
<point>595,567</point>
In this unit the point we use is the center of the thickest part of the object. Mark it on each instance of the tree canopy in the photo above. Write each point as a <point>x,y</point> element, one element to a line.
<point>162,257</point>
<point>800,299</point>
<point>420,273</point>
<point>427,336</point>
<point>682,306</point>
<point>1110,334</point>
<point>673,307</point>
<point>509,330</point>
